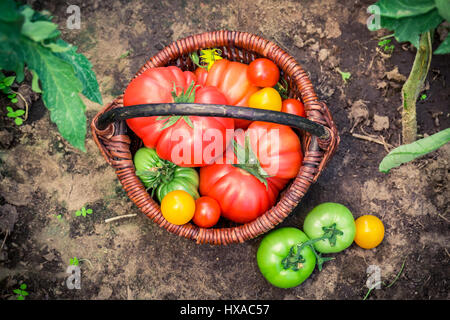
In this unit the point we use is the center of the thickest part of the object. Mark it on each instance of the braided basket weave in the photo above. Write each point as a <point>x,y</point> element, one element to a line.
<point>117,143</point>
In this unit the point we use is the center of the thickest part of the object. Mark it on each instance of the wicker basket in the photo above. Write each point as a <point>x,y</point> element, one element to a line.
<point>118,143</point>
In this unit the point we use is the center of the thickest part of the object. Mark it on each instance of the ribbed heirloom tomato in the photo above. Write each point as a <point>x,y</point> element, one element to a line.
<point>255,168</point>
<point>181,140</point>
<point>230,77</point>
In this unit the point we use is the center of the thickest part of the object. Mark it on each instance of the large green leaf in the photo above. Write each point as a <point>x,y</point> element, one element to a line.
<point>444,47</point>
<point>10,59</point>
<point>409,152</point>
<point>60,89</point>
<point>443,7</point>
<point>398,9</point>
<point>83,70</point>
<point>8,11</point>
<point>409,29</point>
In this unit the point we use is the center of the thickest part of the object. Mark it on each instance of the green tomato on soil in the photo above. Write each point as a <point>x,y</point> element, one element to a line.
<point>163,176</point>
<point>279,261</point>
<point>334,220</point>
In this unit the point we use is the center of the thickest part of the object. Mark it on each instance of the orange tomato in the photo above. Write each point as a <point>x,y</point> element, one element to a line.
<point>369,231</point>
<point>231,79</point>
<point>178,207</point>
<point>266,98</point>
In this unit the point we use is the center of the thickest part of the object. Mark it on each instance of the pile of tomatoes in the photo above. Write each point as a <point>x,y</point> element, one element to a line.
<point>287,256</point>
<point>242,178</point>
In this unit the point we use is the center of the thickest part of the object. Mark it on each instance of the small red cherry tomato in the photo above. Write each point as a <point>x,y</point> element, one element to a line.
<point>293,106</point>
<point>263,72</point>
<point>207,212</point>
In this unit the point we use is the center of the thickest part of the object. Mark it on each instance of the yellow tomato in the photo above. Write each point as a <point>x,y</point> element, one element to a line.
<point>178,207</point>
<point>369,231</point>
<point>266,98</point>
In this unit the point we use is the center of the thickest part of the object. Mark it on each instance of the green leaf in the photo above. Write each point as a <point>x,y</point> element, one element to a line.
<point>8,11</point>
<point>89,211</point>
<point>78,213</point>
<point>39,30</point>
<point>18,121</point>
<point>14,100</point>
<point>56,47</point>
<point>10,110</point>
<point>35,82</point>
<point>444,47</point>
<point>23,286</point>
<point>443,7</point>
<point>405,8</point>
<point>409,152</point>
<point>17,291</point>
<point>24,293</point>
<point>19,112</point>
<point>408,29</point>
<point>20,297</point>
<point>83,71</point>
<point>8,81</point>
<point>60,89</point>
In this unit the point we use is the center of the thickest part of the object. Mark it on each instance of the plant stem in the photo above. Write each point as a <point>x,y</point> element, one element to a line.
<point>412,87</point>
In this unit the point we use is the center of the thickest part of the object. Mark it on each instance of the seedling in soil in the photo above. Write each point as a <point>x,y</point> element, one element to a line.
<point>345,75</point>
<point>83,212</point>
<point>59,217</point>
<point>21,293</point>
<point>74,261</point>
<point>15,114</point>
<point>386,46</point>
<point>423,97</point>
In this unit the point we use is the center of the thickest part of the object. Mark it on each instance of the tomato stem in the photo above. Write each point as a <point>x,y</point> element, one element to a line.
<point>248,161</point>
<point>187,96</point>
<point>295,259</point>
<point>156,176</point>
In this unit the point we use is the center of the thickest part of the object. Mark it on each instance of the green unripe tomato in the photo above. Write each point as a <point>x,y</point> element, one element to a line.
<point>327,215</point>
<point>163,176</point>
<point>274,248</point>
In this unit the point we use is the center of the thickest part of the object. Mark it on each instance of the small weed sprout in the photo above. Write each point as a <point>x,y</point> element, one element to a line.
<point>74,261</point>
<point>21,293</point>
<point>83,212</point>
<point>345,75</point>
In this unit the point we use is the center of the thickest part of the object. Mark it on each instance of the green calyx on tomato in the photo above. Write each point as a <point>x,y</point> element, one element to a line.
<point>333,225</point>
<point>283,259</point>
<point>183,97</point>
<point>294,259</point>
<point>282,87</point>
<point>286,257</point>
<point>248,161</point>
<point>163,176</point>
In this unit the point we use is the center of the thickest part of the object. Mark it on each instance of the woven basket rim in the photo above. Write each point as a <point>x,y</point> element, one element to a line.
<point>115,147</point>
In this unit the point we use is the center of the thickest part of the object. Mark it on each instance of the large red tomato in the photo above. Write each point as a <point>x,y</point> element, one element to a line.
<point>181,140</point>
<point>246,189</point>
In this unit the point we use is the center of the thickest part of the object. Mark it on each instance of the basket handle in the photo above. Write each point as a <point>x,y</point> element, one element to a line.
<point>212,110</point>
